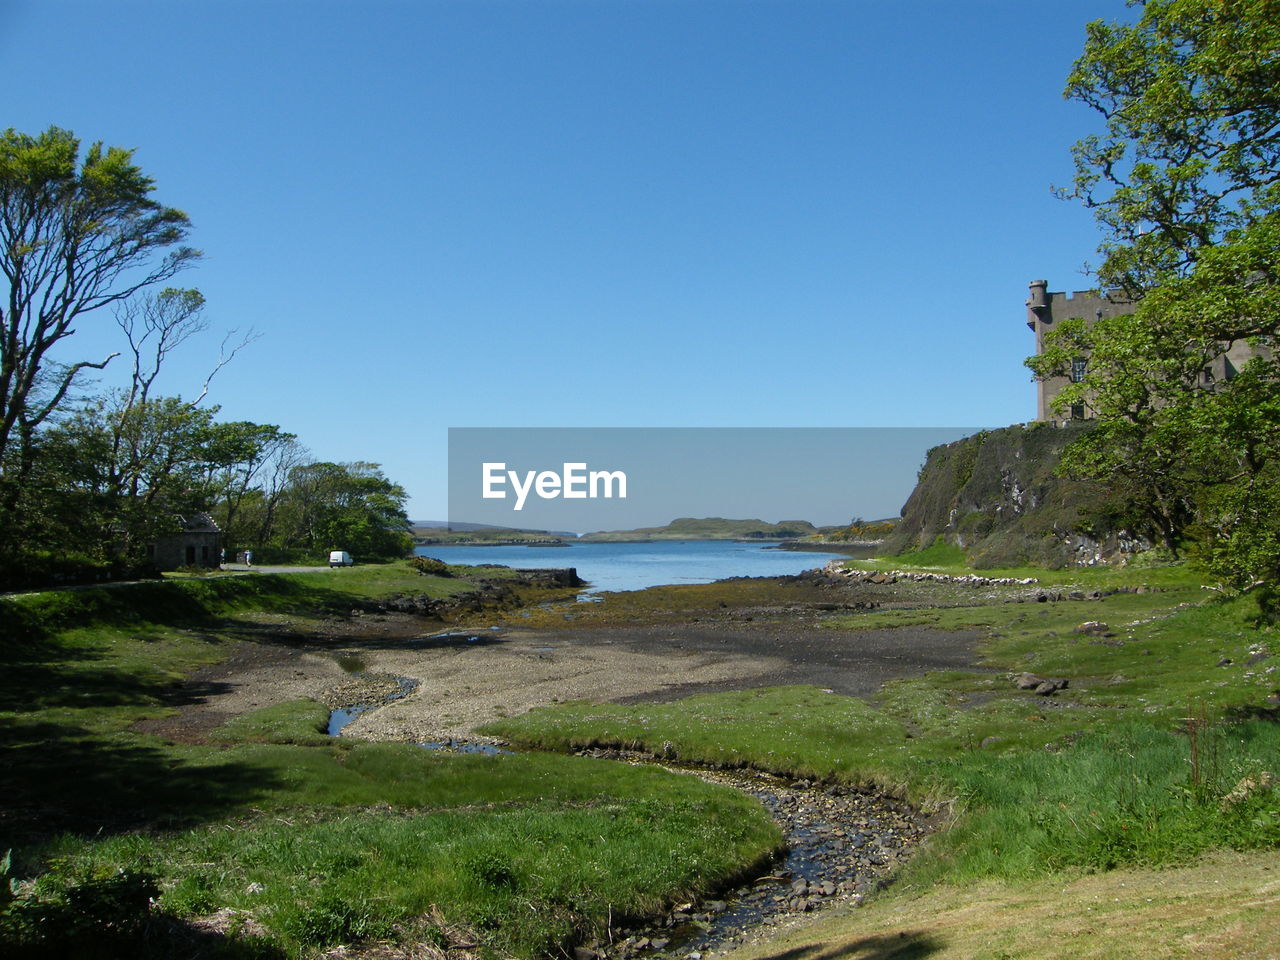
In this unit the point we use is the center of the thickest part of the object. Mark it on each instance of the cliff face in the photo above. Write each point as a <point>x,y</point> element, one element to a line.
<point>995,496</point>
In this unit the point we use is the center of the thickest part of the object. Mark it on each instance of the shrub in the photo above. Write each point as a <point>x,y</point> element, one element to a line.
<point>76,913</point>
<point>331,918</point>
<point>430,566</point>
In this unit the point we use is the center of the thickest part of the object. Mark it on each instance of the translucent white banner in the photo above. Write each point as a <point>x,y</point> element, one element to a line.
<point>583,479</point>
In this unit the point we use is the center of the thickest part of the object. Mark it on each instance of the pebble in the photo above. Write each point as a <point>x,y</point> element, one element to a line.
<point>842,844</point>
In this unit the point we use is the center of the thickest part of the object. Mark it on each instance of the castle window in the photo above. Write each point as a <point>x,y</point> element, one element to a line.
<point>1077,411</point>
<point>1078,366</point>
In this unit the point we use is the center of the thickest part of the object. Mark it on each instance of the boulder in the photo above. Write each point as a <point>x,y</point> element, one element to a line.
<point>1050,687</point>
<point>1093,628</point>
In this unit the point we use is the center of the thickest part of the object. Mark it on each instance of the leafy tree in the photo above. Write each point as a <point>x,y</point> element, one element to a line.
<point>237,455</point>
<point>263,504</point>
<point>92,485</point>
<point>76,234</point>
<point>344,506</point>
<point>1186,184</point>
<point>153,472</point>
<point>1190,96</point>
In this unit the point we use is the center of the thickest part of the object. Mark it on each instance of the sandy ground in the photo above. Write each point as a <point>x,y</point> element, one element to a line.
<point>469,677</point>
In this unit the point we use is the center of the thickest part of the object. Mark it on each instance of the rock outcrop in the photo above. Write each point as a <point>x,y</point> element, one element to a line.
<point>996,496</point>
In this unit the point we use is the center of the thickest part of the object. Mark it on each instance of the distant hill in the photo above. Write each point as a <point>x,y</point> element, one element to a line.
<point>442,531</point>
<point>711,528</point>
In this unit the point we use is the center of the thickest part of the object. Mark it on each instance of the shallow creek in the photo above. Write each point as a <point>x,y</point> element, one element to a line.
<point>840,845</point>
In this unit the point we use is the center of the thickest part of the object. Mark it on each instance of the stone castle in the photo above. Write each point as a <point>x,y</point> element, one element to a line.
<point>1045,309</point>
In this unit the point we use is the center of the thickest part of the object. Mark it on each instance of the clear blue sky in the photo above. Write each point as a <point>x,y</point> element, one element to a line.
<point>588,212</point>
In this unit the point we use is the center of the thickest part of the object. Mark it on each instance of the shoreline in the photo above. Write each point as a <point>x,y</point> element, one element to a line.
<point>859,551</point>
<point>491,664</point>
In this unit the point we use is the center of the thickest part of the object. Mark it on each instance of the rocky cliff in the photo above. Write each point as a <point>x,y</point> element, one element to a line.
<point>995,495</point>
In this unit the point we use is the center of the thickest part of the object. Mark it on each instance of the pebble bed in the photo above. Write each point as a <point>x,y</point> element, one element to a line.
<point>841,845</point>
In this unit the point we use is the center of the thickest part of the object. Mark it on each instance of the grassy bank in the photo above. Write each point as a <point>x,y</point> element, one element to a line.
<point>292,838</point>
<point>524,854</point>
<point>181,600</point>
<point>1160,751</point>
<point>1163,745</point>
<point>1223,906</point>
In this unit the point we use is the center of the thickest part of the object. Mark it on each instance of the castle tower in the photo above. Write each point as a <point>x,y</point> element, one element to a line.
<point>1044,311</point>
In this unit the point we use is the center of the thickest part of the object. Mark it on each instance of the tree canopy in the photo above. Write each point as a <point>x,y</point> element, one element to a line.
<point>1190,98</point>
<point>76,234</point>
<point>1186,185</point>
<point>88,485</point>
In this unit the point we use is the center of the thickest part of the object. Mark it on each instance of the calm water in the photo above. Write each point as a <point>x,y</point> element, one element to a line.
<point>634,566</point>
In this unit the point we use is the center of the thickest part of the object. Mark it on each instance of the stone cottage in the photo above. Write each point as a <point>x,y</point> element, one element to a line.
<point>197,544</point>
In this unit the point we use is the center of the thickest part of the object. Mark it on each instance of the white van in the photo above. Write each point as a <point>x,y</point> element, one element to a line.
<point>340,558</point>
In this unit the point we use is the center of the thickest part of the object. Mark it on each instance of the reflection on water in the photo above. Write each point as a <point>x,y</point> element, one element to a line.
<point>351,663</point>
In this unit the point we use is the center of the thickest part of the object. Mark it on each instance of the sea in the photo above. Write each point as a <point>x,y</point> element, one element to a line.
<point>635,566</point>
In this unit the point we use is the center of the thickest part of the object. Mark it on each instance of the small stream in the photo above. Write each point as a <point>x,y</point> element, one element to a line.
<point>841,844</point>
<point>342,716</point>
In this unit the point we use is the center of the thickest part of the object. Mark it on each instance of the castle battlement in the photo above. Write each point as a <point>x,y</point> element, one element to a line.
<point>1045,308</point>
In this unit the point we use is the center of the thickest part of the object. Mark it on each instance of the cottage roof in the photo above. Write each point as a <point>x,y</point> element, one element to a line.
<point>200,523</point>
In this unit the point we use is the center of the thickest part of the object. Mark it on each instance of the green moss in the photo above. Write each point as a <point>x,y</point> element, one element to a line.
<point>997,492</point>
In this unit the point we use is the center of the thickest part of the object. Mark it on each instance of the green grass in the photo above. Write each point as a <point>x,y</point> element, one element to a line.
<point>336,839</point>
<point>1097,776</point>
<point>89,663</point>
<point>949,559</point>
<point>323,841</point>
<point>526,853</point>
<point>1122,795</point>
<point>301,722</point>
<point>796,730</point>
<point>177,601</point>
<point>939,553</point>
